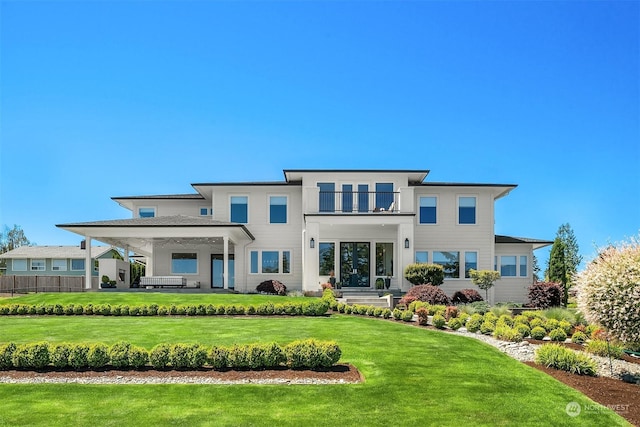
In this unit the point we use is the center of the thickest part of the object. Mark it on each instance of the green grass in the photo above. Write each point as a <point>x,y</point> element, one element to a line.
<point>150,297</point>
<point>413,377</point>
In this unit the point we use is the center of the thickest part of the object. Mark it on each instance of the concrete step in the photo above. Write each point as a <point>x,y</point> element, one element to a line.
<point>366,300</point>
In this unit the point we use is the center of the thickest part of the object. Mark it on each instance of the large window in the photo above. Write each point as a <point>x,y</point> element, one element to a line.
<point>59,264</point>
<point>450,262</point>
<point>508,265</point>
<point>384,259</point>
<point>270,262</point>
<point>384,195</point>
<point>347,198</point>
<point>184,263</point>
<point>146,212</point>
<point>422,257</point>
<point>37,265</point>
<point>523,266</point>
<point>327,202</point>
<point>470,262</point>
<point>77,264</point>
<point>428,210</point>
<point>19,265</point>
<point>363,197</point>
<point>240,209</point>
<point>466,210</point>
<point>327,251</point>
<point>278,209</point>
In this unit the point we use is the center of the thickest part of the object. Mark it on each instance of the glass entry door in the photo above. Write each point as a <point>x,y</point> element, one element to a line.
<point>354,264</point>
<point>217,271</point>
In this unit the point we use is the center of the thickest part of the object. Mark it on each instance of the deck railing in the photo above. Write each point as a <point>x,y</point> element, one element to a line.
<point>358,201</point>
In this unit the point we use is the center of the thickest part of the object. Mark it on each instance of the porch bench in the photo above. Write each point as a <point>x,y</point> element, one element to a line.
<point>163,282</point>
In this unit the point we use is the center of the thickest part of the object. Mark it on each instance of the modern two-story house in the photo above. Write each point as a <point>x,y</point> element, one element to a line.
<point>359,224</point>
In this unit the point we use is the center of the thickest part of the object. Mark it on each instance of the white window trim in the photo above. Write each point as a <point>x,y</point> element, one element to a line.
<point>248,206</point>
<point>498,265</point>
<point>421,224</point>
<point>280,261</point>
<point>463,261</point>
<point>286,196</point>
<point>64,268</point>
<point>458,209</point>
<point>155,210</point>
<point>208,209</point>
<point>75,269</point>
<point>31,264</point>
<point>185,252</point>
<point>13,266</point>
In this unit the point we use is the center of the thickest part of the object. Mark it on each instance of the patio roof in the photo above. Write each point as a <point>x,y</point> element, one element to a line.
<point>537,244</point>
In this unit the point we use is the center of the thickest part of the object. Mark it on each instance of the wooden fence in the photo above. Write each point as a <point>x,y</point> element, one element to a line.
<point>26,284</point>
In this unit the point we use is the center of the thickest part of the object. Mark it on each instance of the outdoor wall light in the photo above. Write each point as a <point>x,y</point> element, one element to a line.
<point>406,243</point>
<point>312,243</point>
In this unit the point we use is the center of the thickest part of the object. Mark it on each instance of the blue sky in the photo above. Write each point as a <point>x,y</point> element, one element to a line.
<point>102,99</point>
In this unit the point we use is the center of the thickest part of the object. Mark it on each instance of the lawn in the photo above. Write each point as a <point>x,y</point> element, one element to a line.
<point>413,377</point>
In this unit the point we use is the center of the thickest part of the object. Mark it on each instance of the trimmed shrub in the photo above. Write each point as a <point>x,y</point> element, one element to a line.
<point>439,321</point>
<point>559,357</point>
<point>59,355</point>
<point>163,310</point>
<point>566,326</point>
<point>31,356</point>
<point>426,293</point>
<point>609,291</point>
<point>474,322</point>
<point>423,316</point>
<point>179,356</point>
<point>422,273</point>
<point>311,354</point>
<point>78,309</point>
<point>272,287</point>
<point>466,296</point>
<point>538,333</point>
<point>604,349</point>
<point>454,323</point>
<point>386,313</point>
<point>218,358</point>
<point>551,324</point>
<point>238,357</point>
<point>159,356</point>
<point>197,356</point>
<point>505,320</point>
<point>558,334</point>
<point>521,320</point>
<point>98,356</point>
<point>407,316</point>
<point>487,327</point>
<point>546,294</point>
<point>536,321</point>
<point>397,313</point>
<point>119,354</point>
<point>79,356</point>
<point>507,333</point>
<point>451,311</point>
<point>6,355</point>
<point>523,329</point>
<point>153,310</point>
<point>138,357</point>
<point>578,337</point>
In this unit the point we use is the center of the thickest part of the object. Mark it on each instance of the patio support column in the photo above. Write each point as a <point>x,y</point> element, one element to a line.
<point>225,262</point>
<point>88,265</point>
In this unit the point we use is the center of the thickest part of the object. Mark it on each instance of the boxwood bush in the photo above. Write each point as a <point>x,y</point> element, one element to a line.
<point>538,333</point>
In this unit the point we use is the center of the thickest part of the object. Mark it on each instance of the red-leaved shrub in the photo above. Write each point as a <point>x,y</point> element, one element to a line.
<point>272,287</point>
<point>466,296</point>
<point>546,294</point>
<point>425,293</point>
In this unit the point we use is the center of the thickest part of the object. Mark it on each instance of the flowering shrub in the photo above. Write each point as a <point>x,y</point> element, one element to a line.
<point>609,290</point>
<point>466,296</point>
<point>546,294</point>
<point>426,293</point>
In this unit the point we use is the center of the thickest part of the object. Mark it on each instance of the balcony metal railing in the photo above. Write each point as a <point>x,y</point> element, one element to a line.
<point>358,201</point>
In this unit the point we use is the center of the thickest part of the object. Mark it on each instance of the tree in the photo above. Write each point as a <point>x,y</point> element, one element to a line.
<point>571,255</point>
<point>608,291</point>
<point>535,268</point>
<point>484,279</point>
<point>12,238</point>
<point>557,272</point>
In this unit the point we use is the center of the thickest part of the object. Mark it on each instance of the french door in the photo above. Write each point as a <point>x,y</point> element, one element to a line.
<point>354,264</point>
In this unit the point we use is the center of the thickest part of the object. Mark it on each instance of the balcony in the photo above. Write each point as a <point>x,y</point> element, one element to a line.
<point>358,202</point>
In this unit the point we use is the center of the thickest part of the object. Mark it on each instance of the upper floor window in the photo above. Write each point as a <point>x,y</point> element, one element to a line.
<point>59,264</point>
<point>347,197</point>
<point>466,210</point>
<point>428,210</point>
<point>184,263</point>
<point>37,265</point>
<point>240,209</point>
<point>146,212</point>
<point>384,195</point>
<point>327,201</point>
<point>363,197</point>
<point>19,264</point>
<point>77,264</point>
<point>278,209</point>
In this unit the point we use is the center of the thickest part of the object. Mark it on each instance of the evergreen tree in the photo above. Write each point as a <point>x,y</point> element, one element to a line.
<point>535,268</point>
<point>11,239</point>
<point>572,258</point>
<point>557,271</point>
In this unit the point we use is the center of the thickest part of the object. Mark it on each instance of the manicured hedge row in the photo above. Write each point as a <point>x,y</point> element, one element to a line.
<point>313,307</point>
<point>302,354</point>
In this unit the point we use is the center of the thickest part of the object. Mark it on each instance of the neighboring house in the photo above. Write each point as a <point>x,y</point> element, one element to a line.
<point>362,224</point>
<point>66,261</point>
